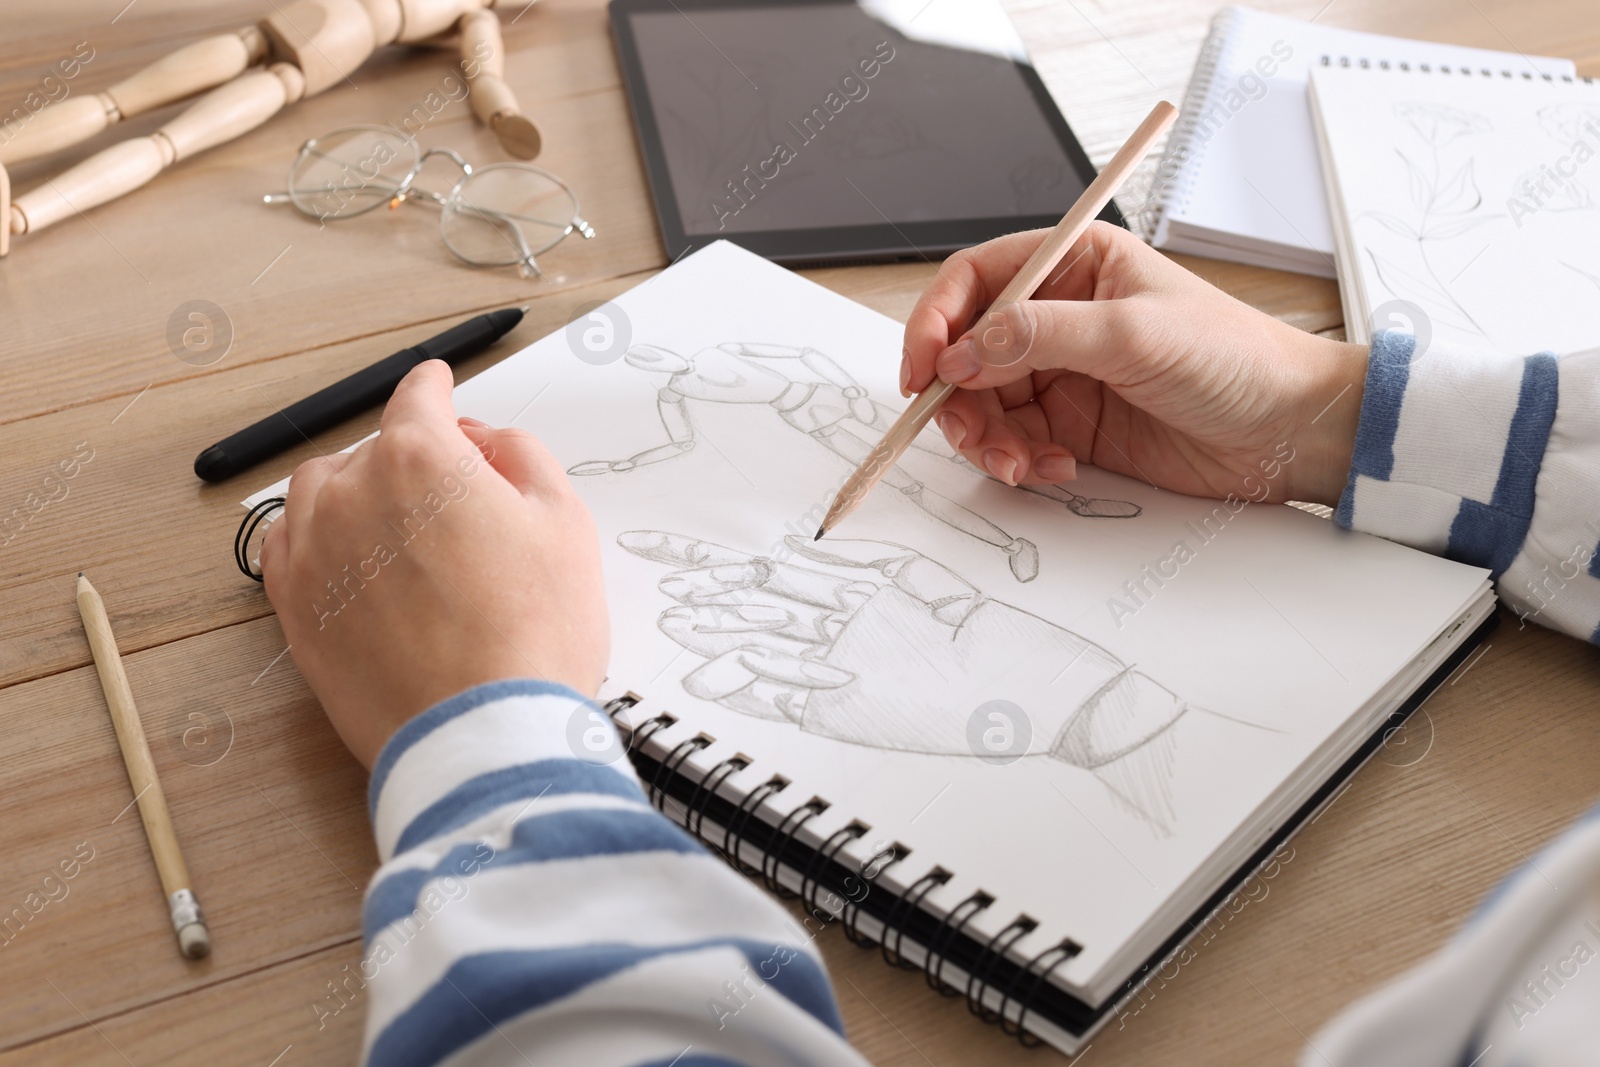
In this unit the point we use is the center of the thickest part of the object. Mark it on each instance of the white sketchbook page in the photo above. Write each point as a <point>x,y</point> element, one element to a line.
<point>1440,180</point>
<point>1280,620</point>
<point>1254,171</point>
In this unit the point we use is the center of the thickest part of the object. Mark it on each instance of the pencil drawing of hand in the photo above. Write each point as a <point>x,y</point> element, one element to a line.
<point>809,392</point>
<point>845,640</point>
<point>1083,506</point>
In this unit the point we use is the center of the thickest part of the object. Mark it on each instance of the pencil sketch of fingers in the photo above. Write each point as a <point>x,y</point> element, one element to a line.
<point>1086,507</point>
<point>841,637</point>
<point>810,393</point>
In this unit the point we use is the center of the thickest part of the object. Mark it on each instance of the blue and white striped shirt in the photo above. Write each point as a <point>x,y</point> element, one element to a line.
<point>533,907</point>
<point>1495,462</point>
<point>1491,461</point>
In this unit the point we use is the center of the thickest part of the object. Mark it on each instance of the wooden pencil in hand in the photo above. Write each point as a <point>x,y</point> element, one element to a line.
<point>1033,273</point>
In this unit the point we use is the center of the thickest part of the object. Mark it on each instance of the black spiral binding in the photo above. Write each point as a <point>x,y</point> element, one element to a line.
<point>933,962</point>
<point>908,904</point>
<point>646,730</point>
<point>733,835</point>
<point>1444,68</point>
<point>825,855</point>
<point>1026,982</point>
<point>772,858</point>
<point>694,818</point>
<point>669,767</point>
<point>247,529</point>
<point>993,953</point>
<point>1064,951</point>
<point>852,910</point>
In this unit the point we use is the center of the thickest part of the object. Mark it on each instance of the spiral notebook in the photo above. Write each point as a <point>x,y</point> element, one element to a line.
<point>1025,740</point>
<point>1466,204</point>
<point>1240,178</point>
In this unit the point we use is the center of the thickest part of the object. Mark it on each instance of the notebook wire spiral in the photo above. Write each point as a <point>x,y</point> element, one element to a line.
<point>989,972</point>
<point>1174,174</point>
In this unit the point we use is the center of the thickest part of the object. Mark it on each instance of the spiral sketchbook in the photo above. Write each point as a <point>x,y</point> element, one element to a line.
<point>1240,178</point>
<point>1466,204</point>
<point>1024,739</point>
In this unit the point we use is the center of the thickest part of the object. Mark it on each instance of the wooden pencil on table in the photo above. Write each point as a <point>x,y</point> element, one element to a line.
<point>194,940</point>
<point>1033,273</point>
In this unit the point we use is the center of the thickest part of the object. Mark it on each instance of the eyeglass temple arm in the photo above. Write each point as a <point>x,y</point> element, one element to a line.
<point>483,59</point>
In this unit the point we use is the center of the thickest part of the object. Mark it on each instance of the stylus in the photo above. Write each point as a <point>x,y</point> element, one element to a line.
<point>328,407</point>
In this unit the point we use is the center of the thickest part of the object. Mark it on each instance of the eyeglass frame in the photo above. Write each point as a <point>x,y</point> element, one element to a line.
<point>404,191</point>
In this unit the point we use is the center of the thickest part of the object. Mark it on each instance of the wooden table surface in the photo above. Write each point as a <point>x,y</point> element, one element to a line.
<point>267,803</point>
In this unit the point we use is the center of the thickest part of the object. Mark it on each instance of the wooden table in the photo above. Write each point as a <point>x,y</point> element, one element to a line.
<point>267,802</point>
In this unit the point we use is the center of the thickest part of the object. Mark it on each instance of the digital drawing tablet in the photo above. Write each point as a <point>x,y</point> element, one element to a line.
<point>843,130</point>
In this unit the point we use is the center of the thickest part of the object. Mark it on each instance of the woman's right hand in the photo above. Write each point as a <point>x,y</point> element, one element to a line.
<point>1125,360</point>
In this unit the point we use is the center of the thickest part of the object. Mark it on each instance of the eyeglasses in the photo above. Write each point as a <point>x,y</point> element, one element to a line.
<point>499,215</point>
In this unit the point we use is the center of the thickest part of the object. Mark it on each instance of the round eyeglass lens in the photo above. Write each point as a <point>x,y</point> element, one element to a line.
<point>350,171</point>
<point>505,213</point>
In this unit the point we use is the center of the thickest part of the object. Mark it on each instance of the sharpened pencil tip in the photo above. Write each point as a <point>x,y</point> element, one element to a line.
<point>80,574</point>
<point>820,531</point>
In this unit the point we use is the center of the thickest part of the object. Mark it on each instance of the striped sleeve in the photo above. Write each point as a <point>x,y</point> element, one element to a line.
<point>532,907</point>
<point>1489,460</point>
<point>1515,987</point>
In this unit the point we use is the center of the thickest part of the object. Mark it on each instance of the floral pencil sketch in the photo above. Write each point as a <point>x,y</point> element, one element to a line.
<point>1446,199</point>
<point>1558,188</point>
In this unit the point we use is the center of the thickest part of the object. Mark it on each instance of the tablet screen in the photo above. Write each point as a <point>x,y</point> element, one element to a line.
<point>820,115</point>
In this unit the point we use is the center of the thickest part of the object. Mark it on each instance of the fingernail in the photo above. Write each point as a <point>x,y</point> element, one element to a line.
<point>764,615</point>
<point>742,575</point>
<point>1001,465</point>
<point>954,430</point>
<point>468,420</point>
<point>825,674</point>
<point>958,362</point>
<point>1056,468</point>
<point>905,372</point>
